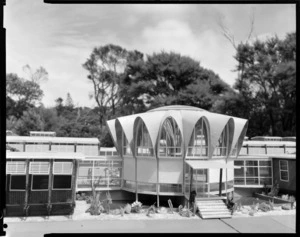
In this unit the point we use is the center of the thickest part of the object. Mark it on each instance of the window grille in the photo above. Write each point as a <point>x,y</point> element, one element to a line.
<point>16,167</point>
<point>39,168</point>
<point>62,167</point>
<point>284,170</point>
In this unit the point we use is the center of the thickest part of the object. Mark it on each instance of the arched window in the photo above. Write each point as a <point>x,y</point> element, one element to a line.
<point>198,145</point>
<point>170,142</point>
<point>144,145</point>
<point>223,143</point>
<point>125,145</point>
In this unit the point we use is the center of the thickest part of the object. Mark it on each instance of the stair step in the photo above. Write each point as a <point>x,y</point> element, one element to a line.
<point>216,217</point>
<point>214,209</point>
<point>215,213</point>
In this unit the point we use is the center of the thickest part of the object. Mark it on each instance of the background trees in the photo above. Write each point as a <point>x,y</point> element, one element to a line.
<point>267,82</point>
<point>127,82</point>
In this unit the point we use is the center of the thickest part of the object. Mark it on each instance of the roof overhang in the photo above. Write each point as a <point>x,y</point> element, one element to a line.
<point>45,155</point>
<point>203,164</point>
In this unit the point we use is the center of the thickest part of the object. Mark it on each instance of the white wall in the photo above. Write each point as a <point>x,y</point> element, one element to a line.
<point>146,170</point>
<point>129,168</point>
<point>170,170</point>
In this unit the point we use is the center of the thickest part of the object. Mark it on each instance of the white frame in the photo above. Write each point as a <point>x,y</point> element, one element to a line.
<point>39,162</point>
<point>287,170</point>
<point>166,147</point>
<point>17,190</point>
<point>62,188</point>
<point>203,125</point>
<point>38,190</point>
<point>143,155</point>
<point>63,163</point>
<point>15,163</point>
<point>258,173</point>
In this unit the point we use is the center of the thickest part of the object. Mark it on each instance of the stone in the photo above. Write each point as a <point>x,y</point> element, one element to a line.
<point>286,207</point>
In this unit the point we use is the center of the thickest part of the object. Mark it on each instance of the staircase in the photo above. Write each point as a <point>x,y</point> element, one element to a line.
<point>212,208</point>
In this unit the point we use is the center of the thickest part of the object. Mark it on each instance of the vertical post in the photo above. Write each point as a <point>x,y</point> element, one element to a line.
<point>50,146</point>
<point>27,187</point>
<point>93,175</point>
<point>136,184</point>
<point>74,179</point>
<point>284,148</point>
<point>24,146</point>
<point>266,150</point>
<point>247,147</point>
<point>75,147</point>
<point>220,183</point>
<point>50,184</point>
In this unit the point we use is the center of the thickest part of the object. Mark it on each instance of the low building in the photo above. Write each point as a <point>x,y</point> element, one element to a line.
<point>40,183</point>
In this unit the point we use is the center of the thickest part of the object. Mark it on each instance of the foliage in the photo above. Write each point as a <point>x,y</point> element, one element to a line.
<point>20,95</point>
<point>267,84</point>
<point>136,206</point>
<point>166,79</point>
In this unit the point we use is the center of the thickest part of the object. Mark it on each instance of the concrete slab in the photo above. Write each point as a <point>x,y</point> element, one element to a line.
<point>287,220</point>
<point>264,224</point>
<point>35,229</point>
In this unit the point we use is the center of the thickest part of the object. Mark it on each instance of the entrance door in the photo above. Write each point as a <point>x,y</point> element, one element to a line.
<point>199,182</point>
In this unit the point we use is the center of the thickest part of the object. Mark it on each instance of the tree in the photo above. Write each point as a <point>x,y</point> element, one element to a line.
<point>30,121</point>
<point>40,75</point>
<point>69,101</point>
<point>105,65</point>
<point>21,95</point>
<point>268,81</point>
<point>168,78</point>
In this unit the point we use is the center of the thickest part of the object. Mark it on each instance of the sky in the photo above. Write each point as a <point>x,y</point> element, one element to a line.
<point>60,37</point>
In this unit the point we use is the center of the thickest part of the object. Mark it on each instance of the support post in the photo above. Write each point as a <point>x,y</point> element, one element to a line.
<point>220,183</point>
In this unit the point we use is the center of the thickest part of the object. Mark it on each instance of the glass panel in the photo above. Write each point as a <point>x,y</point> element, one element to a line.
<point>265,172</point>
<point>18,182</point>
<point>239,172</point>
<point>251,163</point>
<point>198,144</point>
<point>62,181</point>
<point>239,181</point>
<point>251,171</point>
<point>267,181</point>
<point>239,162</point>
<point>114,182</point>
<point>40,182</point>
<point>171,188</point>
<point>265,163</point>
<point>283,165</point>
<point>284,175</point>
<point>251,181</point>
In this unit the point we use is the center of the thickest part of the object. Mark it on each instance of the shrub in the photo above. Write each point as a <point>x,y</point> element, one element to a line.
<point>127,208</point>
<point>136,206</point>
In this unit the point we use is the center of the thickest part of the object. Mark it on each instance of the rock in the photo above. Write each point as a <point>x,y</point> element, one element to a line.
<point>286,207</point>
<point>127,208</point>
<point>247,208</point>
<point>163,210</point>
<point>275,208</point>
<point>251,213</point>
<point>245,211</point>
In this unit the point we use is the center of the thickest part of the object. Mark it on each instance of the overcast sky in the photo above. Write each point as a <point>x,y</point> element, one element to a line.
<point>61,37</point>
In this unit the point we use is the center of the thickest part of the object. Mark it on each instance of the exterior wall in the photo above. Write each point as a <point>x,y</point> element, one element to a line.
<point>146,170</point>
<point>62,201</point>
<point>129,168</point>
<point>170,171</point>
<point>285,186</point>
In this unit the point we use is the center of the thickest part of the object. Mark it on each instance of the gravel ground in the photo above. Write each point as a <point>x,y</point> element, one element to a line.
<point>82,206</point>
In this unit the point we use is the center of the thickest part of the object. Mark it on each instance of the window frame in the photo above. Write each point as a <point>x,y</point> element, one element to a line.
<point>205,134</point>
<point>17,190</point>
<point>287,170</point>
<point>176,131</point>
<point>60,189</point>
<point>38,190</point>
<point>142,126</point>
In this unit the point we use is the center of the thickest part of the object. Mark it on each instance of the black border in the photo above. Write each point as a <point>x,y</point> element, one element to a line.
<point>3,77</point>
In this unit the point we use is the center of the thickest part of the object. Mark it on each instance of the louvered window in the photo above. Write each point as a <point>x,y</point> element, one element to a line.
<point>39,167</point>
<point>16,167</point>
<point>62,168</point>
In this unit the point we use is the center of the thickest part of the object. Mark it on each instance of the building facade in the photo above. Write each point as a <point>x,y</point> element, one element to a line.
<point>175,150</point>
